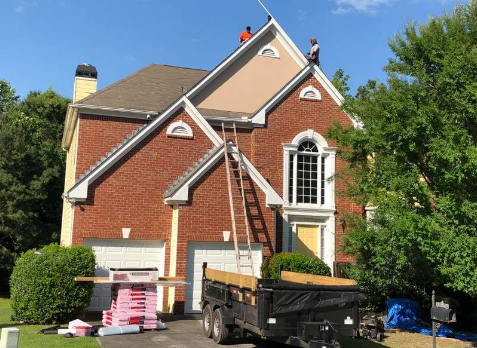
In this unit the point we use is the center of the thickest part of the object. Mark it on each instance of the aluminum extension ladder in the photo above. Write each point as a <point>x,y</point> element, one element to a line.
<point>234,165</point>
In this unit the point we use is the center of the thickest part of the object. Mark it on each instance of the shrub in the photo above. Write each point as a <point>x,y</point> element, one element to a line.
<point>42,285</point>
<point>294,262</point>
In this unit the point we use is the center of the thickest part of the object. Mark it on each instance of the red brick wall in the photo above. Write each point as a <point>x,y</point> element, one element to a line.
<point>207,214</point>
<point>100,134</point>
<point>130,194</point>
<point>286,120</point>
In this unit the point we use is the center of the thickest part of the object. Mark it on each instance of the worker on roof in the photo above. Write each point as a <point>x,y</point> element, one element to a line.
<point>246,34</point>
<point>314,55</point>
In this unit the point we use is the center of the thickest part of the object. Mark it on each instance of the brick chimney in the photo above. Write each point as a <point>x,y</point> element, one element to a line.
<point>86,82</point>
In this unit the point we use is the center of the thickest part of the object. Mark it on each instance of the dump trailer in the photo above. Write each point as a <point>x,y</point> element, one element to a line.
<point>301,310</point>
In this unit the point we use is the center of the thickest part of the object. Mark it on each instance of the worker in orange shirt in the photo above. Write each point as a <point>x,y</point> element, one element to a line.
<point>246,34</point>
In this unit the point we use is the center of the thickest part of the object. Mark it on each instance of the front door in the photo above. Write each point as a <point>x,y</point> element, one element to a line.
<point>307,240</point>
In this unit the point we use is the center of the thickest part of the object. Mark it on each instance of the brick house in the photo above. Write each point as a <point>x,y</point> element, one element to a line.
<point>146,182</point>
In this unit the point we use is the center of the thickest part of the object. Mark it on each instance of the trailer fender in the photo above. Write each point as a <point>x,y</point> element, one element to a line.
<point>228,315</point>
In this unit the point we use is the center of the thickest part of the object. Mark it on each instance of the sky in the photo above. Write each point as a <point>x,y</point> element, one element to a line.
<point>43,41</point>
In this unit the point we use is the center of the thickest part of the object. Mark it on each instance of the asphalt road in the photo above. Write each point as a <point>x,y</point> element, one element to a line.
<point>183,332</point>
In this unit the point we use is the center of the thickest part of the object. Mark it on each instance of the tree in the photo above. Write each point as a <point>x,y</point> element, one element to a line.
<point>31,172</point>
<point>415,158</point>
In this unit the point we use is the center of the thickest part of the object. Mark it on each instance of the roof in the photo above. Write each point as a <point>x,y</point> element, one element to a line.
<point>154,87</point>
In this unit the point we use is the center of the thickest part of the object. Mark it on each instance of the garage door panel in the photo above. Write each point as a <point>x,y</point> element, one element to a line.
<point>121,253</point>
<point>219,256</point>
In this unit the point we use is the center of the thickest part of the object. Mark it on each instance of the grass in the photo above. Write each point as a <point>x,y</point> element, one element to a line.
<point>29,337</point>
<point>405,340</point>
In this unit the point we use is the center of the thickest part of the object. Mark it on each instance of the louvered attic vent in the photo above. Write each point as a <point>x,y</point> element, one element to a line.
<point>310,93</point>
<point>179,129</point>
<point>269,51</point>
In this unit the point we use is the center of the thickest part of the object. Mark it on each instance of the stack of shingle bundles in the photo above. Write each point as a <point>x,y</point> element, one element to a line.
<point>132,304</point>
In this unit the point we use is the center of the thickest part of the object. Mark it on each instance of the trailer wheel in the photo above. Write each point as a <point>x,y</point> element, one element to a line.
<point>207,321</point>
<point>379,337</point>
<point>220,332</point>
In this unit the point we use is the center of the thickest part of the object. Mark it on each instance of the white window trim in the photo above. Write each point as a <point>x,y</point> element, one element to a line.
<point>317,94</point>
<point>171,130</point>
<point>269,47</point>
<point>329,154</point>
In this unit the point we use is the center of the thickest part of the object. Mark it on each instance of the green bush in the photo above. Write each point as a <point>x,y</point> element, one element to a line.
<point>294,262</point>
<point>42,285</point>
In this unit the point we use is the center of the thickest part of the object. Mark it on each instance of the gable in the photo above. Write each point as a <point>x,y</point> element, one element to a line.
<point>252,79</point>
<point>80,190</point>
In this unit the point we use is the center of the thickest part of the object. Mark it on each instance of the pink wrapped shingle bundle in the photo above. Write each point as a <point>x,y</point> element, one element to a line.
<point>132,304</point>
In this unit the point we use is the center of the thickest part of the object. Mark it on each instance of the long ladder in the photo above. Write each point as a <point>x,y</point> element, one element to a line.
<point>235,152</point>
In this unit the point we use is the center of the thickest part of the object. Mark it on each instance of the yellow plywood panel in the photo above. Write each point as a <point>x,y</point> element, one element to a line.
<point>303,278</point>
<point>229,278</point>
<point>307,240</point>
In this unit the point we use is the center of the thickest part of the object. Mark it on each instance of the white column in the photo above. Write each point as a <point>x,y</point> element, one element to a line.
<point>330,242</point>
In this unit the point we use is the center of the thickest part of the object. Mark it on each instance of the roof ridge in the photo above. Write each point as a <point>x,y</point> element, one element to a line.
<point>191,170</point>
<point>114,84</point>
<point>178,66</point>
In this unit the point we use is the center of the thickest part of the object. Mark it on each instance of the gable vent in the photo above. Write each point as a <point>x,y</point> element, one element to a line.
<point>268,51</point>
<point>310,93</point>
<point>179,129</point>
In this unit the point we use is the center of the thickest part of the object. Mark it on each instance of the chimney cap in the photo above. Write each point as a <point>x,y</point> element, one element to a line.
<point>86,70</point>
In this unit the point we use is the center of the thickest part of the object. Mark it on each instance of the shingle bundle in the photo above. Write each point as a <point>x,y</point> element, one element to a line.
<point>132,304</point>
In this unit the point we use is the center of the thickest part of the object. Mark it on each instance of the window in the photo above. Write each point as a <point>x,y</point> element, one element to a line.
<point>309,165</point>
<point>290,239</point>
<point>306,189</point>
<point>268,51</point>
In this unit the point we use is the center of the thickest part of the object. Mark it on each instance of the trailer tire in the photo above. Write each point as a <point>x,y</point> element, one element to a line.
<point>207,321</point>
<point>220,332</point>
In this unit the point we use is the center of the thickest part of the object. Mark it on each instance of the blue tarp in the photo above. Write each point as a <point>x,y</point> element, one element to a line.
<point>405,314</point>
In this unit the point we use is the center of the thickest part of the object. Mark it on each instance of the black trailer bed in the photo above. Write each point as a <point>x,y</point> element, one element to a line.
<point>299,314</point>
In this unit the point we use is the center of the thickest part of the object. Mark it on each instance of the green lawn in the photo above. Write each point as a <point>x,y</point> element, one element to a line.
<point>29,337</point>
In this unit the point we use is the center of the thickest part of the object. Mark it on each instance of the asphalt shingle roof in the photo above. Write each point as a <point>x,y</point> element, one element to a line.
<point>152,88</point>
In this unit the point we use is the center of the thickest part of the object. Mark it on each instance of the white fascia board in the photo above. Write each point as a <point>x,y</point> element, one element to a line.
<point>227,62</point>
<point>87,107</point>
<point>272,197</point>
<point>80,190</point>
<point>181,196</point>
<point>70,119</point>
<point>202,122</point>
<point>260,115</point>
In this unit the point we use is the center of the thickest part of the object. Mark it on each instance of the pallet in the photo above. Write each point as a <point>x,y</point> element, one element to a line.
<point>312,279</point>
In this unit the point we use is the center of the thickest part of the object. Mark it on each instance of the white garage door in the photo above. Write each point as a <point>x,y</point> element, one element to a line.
<point>123,253</point>
<point>218,256</point>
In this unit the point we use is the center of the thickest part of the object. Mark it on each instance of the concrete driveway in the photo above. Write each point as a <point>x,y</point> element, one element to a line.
<point>182,332</point>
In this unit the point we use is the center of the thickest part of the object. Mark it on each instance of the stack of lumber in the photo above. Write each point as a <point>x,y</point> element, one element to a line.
<point>132,304</point>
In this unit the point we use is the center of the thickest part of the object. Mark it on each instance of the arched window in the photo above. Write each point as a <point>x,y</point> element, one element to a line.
<point>307,177</point>
<point>309,163</point>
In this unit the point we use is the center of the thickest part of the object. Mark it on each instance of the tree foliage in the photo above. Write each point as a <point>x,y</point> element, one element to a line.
<point>31,171</point>
<point>415,158</point>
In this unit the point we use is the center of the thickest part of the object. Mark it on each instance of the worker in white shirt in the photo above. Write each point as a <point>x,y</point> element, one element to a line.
<point>314,55</point>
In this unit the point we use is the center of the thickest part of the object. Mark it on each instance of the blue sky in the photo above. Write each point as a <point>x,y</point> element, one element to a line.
<point>44,40</point>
